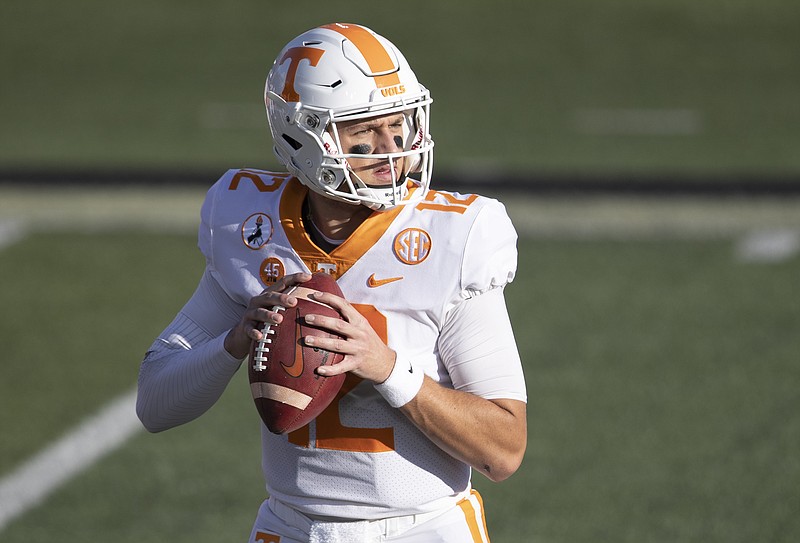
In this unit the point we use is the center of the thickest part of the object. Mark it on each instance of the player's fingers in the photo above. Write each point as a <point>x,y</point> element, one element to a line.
<point>341,305</point>
<point>289,281</point>
<point>254,331</point>
<point>333,344</point>
<point>326,298</point>
<point>280,293</point>
<point>261,315</point>
<point>256,318</point>
<point>332,324</point>
<point>336,369</point>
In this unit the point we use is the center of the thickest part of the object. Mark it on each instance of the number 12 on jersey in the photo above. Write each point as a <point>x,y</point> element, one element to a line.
<point>330,432</point>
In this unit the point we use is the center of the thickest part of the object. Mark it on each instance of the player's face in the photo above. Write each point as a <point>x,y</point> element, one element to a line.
<point>383,134</point>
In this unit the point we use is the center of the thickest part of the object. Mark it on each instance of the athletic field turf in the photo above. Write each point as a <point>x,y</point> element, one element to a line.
<point>553,86</point>
<point>660,336</point>
<point>661,366</point>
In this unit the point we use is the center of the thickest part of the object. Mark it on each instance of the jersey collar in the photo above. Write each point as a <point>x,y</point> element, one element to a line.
<point>345,255</point>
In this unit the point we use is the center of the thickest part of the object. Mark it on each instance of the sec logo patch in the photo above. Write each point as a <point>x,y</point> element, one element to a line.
<point>412,246</point>
<point>256,231</point>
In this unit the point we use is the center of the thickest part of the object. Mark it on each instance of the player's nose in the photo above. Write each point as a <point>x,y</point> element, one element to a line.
<point>389,142</point>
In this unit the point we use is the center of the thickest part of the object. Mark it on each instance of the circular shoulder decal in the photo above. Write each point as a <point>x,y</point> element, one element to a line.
<point>412,246</point>
<point>256,230</point>
<point>271,270</point>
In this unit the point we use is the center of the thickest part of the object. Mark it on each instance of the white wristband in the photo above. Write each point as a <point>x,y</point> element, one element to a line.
<point>402,384</point>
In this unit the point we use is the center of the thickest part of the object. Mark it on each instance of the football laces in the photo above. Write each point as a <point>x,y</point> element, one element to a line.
<point>261,350</point>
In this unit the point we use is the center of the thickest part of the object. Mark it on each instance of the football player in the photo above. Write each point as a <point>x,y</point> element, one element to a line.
<point>434,386</point>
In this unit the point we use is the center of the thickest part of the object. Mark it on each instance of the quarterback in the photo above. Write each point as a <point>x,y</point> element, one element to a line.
<point>434,385</point>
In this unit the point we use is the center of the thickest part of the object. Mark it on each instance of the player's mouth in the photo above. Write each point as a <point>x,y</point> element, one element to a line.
<point>379,172</point>
<point>386,172</point>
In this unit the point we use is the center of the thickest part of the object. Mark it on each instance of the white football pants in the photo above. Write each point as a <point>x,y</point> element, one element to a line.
<point>462,523</point>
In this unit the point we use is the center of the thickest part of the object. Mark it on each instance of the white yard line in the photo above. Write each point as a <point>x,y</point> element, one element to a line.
<point>177,210</point>
<point>649,218</point>
<point>768,246</point>
<point>36,479</point>
<point>11,231</point>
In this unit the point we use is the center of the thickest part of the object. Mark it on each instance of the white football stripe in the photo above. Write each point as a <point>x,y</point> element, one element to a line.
<point>281,394</point>
<point>32,482</point>
<point>303,293</point>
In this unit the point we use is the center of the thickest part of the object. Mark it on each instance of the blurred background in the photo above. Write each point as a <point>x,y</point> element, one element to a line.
<point>647,151</point>
<point>633,88</point>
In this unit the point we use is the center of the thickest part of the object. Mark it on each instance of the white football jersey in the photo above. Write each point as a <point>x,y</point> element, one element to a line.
<point>404,269</point>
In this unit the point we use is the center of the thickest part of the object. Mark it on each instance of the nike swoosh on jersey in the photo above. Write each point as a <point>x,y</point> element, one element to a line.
<point>295,369</point>
<point>372,282</point>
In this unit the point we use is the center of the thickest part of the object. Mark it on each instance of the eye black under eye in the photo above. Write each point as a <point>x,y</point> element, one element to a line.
<point>361,149</point>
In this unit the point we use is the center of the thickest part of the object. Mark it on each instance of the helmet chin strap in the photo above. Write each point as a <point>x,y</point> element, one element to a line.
<point>382,194</point>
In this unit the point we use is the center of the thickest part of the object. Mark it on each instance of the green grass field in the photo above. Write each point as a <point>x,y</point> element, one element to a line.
<point>662,368</point>
<point>554,86</point>
<point>661,374</point>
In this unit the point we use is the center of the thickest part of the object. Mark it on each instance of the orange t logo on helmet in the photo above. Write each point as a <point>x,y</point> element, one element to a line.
<point>374,53</point>
<point>296,54</point>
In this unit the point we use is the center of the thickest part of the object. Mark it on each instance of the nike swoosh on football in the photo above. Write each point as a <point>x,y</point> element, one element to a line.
<point>295,369</point>
<point>372,282</point>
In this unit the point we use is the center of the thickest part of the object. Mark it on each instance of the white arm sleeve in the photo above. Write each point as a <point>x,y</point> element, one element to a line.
<point>478,348</point>
<point>187,368</point>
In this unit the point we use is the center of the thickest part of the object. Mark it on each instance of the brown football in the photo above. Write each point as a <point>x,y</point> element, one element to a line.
<point>287,391</point>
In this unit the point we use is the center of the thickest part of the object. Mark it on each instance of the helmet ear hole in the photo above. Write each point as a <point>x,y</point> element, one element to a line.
<point>293,143</point>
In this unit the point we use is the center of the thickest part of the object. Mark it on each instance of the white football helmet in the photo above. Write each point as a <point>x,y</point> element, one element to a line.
<point>340,72</point>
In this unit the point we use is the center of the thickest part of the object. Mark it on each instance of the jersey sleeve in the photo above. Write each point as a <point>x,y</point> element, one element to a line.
<point>210,229</point>
<point>477,343</point>
<point>490,255</point>
<point>205,233</point>
<point>187,368</point>
<point>479,351</point>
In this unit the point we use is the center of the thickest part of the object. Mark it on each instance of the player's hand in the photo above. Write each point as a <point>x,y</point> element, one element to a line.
<point>259,311</point>
<point>365,354</point>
